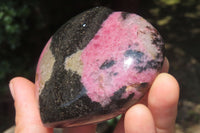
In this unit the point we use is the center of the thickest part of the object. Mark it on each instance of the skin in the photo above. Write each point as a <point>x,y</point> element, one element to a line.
<point>156,113</point>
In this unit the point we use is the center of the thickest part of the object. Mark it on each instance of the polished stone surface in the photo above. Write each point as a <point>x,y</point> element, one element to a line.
<point>96,66</point>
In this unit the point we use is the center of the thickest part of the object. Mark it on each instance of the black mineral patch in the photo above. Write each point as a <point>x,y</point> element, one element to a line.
<point>140,69</point>
<point>151,64</point>
<point>117,95</point>
<point>133,54</point>
<point>116,73</point>
<point>144,85</point>
<point>137,55</point>
<point>117,102</point>
<point>107,64</point>
<point>124,15</point>
<point>62,88</point>
<point>157,40</point>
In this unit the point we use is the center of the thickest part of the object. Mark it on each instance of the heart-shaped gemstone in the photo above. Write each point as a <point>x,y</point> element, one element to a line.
<point>96,66</point>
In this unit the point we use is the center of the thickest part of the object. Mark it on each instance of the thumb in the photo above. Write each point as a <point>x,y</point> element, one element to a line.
<point>27,113</point>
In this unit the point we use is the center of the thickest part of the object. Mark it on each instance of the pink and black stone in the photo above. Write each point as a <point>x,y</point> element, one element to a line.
<point>96,66</point>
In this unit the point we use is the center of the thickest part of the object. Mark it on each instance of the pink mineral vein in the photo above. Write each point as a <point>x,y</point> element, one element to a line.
<point>114,38</point>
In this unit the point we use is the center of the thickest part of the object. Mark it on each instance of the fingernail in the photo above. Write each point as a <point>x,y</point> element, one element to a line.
<point>11,86</point>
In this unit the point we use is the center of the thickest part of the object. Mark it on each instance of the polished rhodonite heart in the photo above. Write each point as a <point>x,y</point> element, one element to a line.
<point>96,66</point>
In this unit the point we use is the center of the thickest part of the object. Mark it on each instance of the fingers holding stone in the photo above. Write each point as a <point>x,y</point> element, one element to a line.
<point>162,101</point>
<point>26,106</point>
<point>139,119</point>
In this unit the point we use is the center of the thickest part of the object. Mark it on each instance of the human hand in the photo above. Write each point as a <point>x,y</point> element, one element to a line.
<point>155,114</point>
